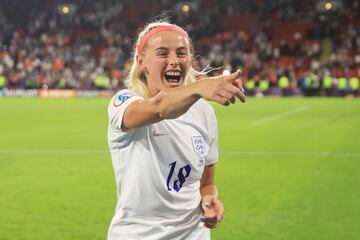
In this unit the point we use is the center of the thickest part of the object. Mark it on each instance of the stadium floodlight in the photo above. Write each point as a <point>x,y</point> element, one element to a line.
<point>327,6</point>
<point>185,8</point>
<point>66,9</point>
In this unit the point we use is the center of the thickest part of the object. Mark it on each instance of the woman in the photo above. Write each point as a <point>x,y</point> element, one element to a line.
<point>163,141</point>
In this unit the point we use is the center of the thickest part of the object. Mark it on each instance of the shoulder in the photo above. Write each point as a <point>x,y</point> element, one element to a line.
<point>202,112</point>
<point>121,97</point>
<point>118,103</point>
<point>204,107</point>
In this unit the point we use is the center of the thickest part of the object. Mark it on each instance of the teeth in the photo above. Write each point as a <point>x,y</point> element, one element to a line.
<point>173,76</point>
<point>173,73</point>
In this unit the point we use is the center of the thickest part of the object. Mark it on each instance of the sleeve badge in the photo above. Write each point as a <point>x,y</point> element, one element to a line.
<point>120,99</point>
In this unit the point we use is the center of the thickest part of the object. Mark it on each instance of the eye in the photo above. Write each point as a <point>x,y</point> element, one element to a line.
<point>182,53</point>
<point>161,53</point>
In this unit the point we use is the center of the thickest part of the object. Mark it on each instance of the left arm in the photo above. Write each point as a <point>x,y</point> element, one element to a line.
<point>212,207</point>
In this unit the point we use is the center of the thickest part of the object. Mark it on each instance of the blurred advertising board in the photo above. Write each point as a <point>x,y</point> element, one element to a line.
<point>20,93</point>
<point>57,93</point>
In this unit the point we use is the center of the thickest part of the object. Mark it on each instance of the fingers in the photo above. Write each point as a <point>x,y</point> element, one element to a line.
<point>232,100</point>
<point>222,100</point>
<point>211,225</point>
<point>228,95</point>
<point>210,218</point>
<point>236,89</point>
<point>223,89</point>
<point>213,212</point>
<point>232,77</point>
<point>220,211</point>
<point>241,93</point>
<point>212,222</point>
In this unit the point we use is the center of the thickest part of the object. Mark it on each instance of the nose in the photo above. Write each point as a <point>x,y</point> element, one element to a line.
<point>173,60</point>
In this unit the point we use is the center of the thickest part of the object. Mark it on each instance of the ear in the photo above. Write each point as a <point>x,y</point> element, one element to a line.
<point>140,62</point>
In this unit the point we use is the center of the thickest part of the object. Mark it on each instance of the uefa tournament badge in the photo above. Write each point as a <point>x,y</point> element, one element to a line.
<point>199,146</point>
<point>120,99</point>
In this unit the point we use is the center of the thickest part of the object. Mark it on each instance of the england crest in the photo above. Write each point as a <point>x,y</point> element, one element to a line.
<point>199,146</point>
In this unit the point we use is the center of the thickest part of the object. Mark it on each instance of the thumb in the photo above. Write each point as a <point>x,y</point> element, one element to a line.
<point>208,207</point>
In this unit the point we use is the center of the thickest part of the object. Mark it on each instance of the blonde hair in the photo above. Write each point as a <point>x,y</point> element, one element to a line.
<point>136,80</point>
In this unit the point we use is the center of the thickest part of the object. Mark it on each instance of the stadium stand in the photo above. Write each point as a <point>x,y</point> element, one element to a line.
<point>286,47</point>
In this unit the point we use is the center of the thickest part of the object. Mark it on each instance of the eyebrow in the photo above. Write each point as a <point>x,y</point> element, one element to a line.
<point>164,48</point>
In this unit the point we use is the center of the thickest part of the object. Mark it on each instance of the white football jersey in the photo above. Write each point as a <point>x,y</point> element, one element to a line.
<point>157,172</point>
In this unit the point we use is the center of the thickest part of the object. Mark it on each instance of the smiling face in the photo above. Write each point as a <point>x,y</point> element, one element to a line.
<point>166,61</point>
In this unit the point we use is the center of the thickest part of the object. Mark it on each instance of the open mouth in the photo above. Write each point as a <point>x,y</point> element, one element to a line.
<point>172,76</point>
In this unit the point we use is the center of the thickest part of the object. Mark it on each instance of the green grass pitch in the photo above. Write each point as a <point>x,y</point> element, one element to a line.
<point>289,169</point>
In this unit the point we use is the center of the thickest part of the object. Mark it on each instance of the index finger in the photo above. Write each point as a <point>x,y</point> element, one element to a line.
<point>232,77</point>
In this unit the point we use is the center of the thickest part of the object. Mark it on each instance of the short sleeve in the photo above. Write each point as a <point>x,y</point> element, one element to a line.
<point>213,153</point>
<point>118,105</point>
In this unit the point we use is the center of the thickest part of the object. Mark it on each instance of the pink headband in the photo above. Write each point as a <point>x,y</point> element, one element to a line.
<point>155,30</point>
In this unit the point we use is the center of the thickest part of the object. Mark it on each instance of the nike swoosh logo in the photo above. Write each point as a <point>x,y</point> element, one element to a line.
<point>155,134</point>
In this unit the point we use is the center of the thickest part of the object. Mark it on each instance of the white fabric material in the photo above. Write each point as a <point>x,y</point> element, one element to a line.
<point>150,163</point>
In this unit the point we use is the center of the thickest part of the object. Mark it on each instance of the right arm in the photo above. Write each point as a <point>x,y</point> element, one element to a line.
<point>173,102</point>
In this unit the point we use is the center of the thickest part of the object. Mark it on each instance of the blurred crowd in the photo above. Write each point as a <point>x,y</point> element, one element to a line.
<point>284,47</point>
